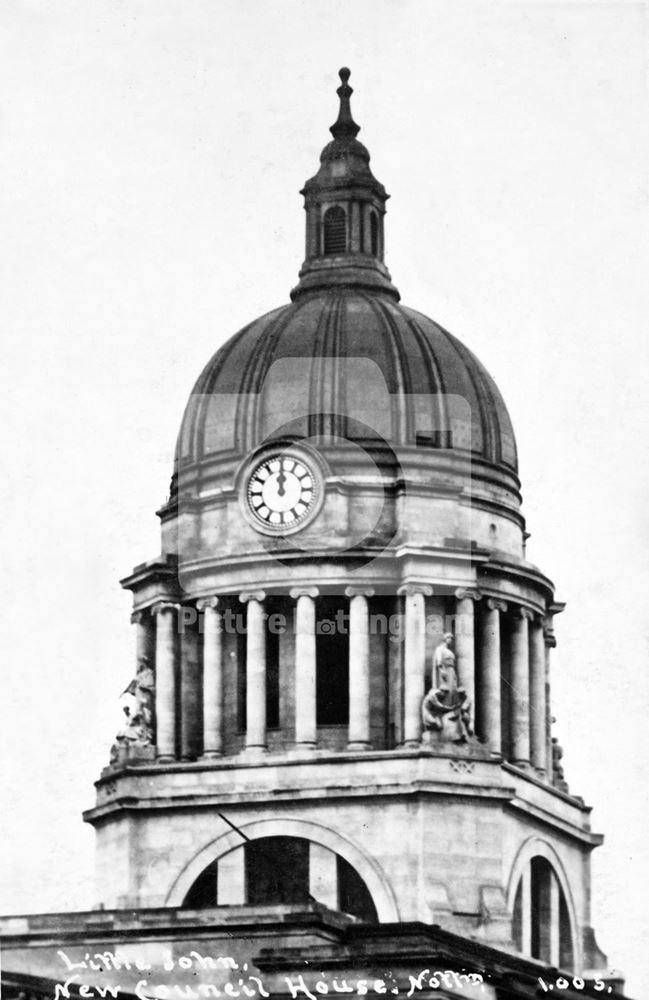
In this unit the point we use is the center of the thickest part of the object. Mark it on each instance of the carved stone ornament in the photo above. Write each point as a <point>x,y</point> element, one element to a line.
<point>205,603</point>
<point>135,740</point>
<point>412,589</point>
<point>462,766</point>
<point>446,708</point>
<point>252,595</point>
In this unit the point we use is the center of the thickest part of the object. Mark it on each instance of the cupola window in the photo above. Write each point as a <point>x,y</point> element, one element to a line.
<point>335,231</point>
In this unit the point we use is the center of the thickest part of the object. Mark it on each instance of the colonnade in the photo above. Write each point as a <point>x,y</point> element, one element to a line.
<point>522,689</point>
<point>508,688</point>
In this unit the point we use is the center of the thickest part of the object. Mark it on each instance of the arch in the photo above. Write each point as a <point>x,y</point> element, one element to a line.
<point>535,847</point>
<point>368,869</point>
<point>335,231</point>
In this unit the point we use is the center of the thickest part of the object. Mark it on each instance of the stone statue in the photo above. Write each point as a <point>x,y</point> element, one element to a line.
<point>135,738</point>
<point>558,779</point>
<point>142,688</point>
<point>446,710</point>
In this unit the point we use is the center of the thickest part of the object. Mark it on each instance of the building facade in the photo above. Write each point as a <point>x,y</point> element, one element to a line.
<point>341,700</point>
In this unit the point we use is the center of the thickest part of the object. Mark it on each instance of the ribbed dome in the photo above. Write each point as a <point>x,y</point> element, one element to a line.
<point>345,360</point>
<point>351,362</point>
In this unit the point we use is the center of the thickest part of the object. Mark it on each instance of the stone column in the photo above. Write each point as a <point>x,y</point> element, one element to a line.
<point>526,910</point>
<point>550,643</point>
<point>355,241</point>
<point>555,937</point>
<point>212,677</point>
<point>231,878</point>
<point>144,638</point>
<point>538,713</point>
<point>359,667</point>
<point>489,707</point>
<point>323,875</point>
<point>465,643</point>
<point>312,248</point>
<point>520,688</point>
<point>365,229</point>
<point>306,735</point>
<point>414,660</point>
<point>190,684</point>
<point>165,680</point>
<point>255,671</point>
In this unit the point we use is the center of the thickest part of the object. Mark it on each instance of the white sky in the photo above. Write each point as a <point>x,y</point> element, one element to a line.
<point>151,154</point>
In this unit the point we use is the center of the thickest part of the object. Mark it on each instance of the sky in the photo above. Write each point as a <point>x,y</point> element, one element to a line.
<point>151,155</point>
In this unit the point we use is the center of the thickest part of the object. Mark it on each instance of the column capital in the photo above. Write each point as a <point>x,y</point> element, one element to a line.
<point>495,605</point>
<point>252,595</point>
<point>468,592</point>
<point>203,603</point>
<point>139,617</point>
<point>524,614</point>
<point>360,591</point>
<point>161,606</point>
<point>410,589</point>
<point>296,592</point>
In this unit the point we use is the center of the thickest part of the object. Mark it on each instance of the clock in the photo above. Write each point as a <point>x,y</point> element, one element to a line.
<point>282,492</point>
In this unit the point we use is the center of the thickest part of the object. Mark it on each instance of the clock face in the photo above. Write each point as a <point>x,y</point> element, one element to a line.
<point>282,492</point>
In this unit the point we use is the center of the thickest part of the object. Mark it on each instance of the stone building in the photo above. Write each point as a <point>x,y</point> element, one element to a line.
<point>337,742</point>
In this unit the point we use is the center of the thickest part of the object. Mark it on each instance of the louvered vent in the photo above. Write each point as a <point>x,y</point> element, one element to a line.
<point>335,231</point>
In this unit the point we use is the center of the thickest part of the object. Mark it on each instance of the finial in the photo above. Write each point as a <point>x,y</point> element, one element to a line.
<point>345,127</point>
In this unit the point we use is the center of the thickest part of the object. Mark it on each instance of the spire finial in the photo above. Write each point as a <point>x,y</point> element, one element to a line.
<point>345,127</point>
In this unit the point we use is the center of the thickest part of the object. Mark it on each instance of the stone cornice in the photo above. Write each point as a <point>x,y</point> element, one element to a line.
<point>132,798</point>
<point>503,567</point>
<point>156,571</point>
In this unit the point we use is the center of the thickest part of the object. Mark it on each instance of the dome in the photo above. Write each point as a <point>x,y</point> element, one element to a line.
<point>353,362</point>
<point>345,360</point>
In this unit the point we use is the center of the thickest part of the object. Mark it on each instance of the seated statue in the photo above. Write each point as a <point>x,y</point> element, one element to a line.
<point>135,738</point>
<point>446,709</point>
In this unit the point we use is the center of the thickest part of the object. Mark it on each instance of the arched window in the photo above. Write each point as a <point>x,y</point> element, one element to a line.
<point>335,231</point>
<point>374,234</point>
<point>541,923</point>
<point>270,871</point>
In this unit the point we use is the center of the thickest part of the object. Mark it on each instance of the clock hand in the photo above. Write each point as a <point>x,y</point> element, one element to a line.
<point>281,479</point>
